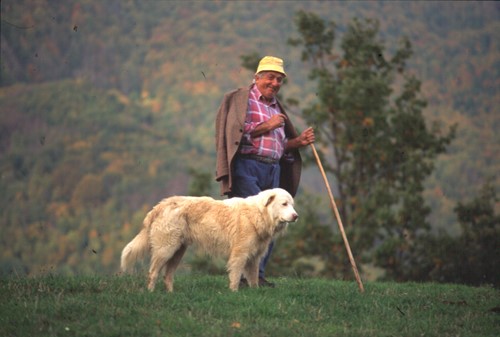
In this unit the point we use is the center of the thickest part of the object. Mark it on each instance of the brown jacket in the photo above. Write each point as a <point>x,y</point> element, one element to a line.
<point>229,128</point>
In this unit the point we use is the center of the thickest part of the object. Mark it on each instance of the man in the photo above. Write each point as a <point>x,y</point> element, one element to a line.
<point>257,145</point>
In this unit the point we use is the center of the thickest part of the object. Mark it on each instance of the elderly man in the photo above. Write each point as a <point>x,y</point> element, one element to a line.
<point>257,145</point>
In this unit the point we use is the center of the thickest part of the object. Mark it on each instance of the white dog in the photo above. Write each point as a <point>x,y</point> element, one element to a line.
<point>239,228</point>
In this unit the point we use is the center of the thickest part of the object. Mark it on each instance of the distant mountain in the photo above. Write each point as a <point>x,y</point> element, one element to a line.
<point>105,106</point>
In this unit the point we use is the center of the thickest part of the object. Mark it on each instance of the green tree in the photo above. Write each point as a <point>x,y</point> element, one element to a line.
<point>371,130</point>
<point>479,244</point>
<point>470,258</point>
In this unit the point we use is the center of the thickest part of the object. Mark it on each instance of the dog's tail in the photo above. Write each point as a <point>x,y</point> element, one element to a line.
<point>139,246</point>
<point>134,250</point>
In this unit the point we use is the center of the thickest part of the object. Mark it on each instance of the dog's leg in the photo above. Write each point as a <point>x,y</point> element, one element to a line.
<point>235,267</point>
<point>159,259</point>
<point>252,272</point>
<point>172,266</point>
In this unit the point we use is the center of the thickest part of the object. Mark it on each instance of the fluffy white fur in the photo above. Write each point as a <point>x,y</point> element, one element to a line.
<point>239,228</point>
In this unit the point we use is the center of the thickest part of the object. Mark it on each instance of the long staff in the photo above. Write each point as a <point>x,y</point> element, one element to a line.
<point>339,221</point>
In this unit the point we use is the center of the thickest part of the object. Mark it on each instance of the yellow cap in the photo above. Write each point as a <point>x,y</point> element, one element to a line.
<point>271,63</point>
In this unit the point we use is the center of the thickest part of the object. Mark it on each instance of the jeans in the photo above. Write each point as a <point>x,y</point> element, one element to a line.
<point>249,178</point>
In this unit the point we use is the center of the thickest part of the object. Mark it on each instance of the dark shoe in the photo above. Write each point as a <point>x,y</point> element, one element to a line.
<point>243,283</point>
<point>265,283</point>
<point>262,283</point>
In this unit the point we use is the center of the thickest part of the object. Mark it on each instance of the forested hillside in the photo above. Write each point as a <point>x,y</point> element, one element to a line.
<point>108,106</point>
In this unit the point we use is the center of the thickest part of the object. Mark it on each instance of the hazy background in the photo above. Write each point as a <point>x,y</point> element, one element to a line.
<point>108,106</point>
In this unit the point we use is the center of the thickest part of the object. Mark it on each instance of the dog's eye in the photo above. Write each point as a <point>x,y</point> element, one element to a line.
<point>285,203</point>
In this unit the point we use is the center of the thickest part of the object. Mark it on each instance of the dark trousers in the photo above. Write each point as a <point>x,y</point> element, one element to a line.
<point>249,178</point>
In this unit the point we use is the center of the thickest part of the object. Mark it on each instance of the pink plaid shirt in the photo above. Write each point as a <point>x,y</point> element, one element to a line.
<point>271,144</point>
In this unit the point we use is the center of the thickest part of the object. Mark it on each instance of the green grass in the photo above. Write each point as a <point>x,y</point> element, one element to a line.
<point>204,306</point>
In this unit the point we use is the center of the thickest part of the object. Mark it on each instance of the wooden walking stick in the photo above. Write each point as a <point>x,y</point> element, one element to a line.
<point>339,221</point>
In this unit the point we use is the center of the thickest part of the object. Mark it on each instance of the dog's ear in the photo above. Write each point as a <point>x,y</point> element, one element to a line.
<point>270,199</point>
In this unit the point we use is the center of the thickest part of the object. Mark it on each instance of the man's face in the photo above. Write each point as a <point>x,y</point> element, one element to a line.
<point>269,83</point>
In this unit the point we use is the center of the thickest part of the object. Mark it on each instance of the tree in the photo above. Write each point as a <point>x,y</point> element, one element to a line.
<point>479,245</point>
<point>371,130</point>
<point>470,258</point>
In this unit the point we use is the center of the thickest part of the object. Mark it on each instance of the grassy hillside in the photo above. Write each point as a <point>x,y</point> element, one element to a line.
<point>204,306</point>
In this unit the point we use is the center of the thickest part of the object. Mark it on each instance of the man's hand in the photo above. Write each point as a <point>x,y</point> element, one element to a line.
<point>276,121</point>
<point>305,138</point>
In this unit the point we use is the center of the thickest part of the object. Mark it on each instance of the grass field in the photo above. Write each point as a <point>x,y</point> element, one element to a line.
<point>203,306</point>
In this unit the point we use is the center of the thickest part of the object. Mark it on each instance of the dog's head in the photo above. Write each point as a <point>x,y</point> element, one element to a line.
<point>280,205</point>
